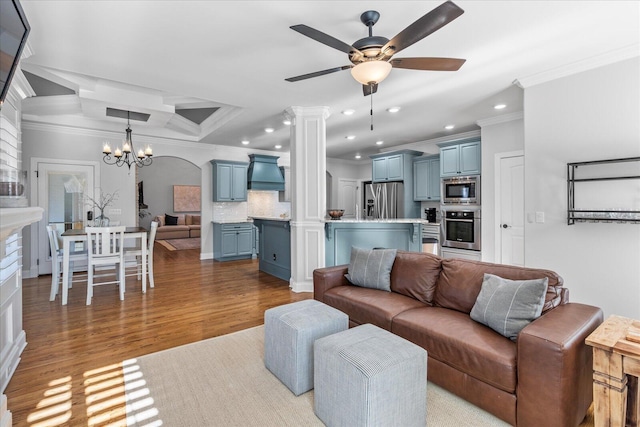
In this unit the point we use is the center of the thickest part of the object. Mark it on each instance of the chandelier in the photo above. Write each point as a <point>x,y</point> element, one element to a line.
<point>127,155</point>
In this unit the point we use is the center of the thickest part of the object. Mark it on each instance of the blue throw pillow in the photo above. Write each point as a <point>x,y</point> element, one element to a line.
<point>371,268</point>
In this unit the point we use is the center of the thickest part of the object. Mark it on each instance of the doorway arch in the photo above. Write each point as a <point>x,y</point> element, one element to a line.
<point>158,181</point>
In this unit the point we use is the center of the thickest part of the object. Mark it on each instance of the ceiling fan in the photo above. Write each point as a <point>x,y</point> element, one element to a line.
<point>371,57</point>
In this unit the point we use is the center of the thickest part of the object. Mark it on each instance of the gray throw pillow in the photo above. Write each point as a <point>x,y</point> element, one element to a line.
<point>371,268</point>
<point>507,306</point>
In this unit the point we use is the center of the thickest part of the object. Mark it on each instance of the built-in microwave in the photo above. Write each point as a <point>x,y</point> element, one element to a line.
<point>461,190</point>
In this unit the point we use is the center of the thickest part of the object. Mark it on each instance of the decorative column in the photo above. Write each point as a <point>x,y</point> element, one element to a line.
<point>308,193</point>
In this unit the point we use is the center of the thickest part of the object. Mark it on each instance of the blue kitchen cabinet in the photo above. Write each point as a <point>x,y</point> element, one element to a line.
<point>232,241</point>
<point>460,159</point>
<point>275,247</point>
<point>388,168</point>
<point>426,179</point>
<point>229,181</point>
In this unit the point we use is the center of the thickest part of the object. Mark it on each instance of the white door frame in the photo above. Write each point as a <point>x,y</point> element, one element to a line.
<point>498,198</point>
<point>35,228</point>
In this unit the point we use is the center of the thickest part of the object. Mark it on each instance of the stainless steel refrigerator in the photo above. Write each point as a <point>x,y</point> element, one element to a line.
<point>384,200</point>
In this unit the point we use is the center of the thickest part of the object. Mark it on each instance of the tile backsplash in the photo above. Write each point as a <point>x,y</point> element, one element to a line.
<point>260,203</point>
<point>267,204</point>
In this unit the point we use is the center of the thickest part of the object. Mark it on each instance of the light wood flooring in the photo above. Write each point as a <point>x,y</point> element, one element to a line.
<point>70,373</point>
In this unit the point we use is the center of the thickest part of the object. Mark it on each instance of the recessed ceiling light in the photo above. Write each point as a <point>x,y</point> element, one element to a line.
<point>350,137</point>
<point>500,106</point>
<point>393,109</point>
<point>348,112</point>
<point>379,142</point>
<point>358,156</point>
<point>245,142</point>
<point>449,127</point>
<point>278,147</point>
<point>286,122</point>
<point>268,130</point>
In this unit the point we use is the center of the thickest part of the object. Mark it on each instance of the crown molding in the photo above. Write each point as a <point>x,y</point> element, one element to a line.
<point>611,57</point>
<point>518,115</point>
<point>418,145</point>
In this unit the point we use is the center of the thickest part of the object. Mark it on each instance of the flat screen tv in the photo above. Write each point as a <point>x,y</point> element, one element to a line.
<point>14,30</point>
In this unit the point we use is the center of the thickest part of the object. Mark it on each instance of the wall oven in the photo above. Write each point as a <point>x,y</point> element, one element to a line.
<point>461,190</point>
<point>460,227</point>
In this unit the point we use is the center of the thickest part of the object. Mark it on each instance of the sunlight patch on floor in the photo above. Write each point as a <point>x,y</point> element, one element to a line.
<point>104,395</point>
<point>55,408</point>
<point>140,405</point>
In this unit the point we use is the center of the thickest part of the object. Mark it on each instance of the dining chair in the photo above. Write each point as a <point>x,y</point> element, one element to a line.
<point>105,246</point>
<point>57,255</point>
<point>133,256</point>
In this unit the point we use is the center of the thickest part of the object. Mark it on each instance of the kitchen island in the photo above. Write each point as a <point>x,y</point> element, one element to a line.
<point>404,234</point>
<point>274,254</point>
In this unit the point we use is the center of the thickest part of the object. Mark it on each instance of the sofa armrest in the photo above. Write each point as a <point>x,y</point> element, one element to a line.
<point>327,278</point>
<point>555,366</point>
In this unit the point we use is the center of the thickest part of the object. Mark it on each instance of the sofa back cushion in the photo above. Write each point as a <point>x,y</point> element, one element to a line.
<point>192,219</point>
<point>461,280</point>
<point>160,220</point>
<point>414,274</point>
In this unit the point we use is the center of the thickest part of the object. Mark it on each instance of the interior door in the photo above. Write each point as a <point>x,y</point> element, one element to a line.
<point>510,213</point>
<point>62,190</point>
<point>348,197</point>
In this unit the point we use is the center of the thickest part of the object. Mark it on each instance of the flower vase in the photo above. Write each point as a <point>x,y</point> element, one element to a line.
<point>102,221</point>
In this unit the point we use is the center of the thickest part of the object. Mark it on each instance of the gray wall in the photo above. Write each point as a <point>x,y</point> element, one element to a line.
<point>592,115</point>
<point>504,137</point>
<point>158,182</point>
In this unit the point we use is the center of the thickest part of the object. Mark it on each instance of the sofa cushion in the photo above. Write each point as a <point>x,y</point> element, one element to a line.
<point>460,281</point>
<point>453,338</point>
<point>369,305</point>
<point>170,219</point>
<point>371,268</point>
<point>192,219</point>
<point>414,274</point>
<point>507,306</point>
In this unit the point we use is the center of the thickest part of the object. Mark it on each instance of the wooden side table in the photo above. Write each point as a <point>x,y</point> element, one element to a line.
<point>616,368</point>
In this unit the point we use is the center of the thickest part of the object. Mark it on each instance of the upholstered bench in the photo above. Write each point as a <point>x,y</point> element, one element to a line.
<point>289,333</point>
<point>367,376</point>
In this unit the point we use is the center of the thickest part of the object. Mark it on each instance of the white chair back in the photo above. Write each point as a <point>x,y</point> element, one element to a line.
<point>105,242</point>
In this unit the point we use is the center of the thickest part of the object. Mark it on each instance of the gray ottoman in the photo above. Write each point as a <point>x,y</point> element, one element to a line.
<point>367,376</point>
<point>289,333</point>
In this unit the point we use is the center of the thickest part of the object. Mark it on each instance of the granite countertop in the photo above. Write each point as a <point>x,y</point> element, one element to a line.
<point>392,221</point>
<point>231,221</point>
<point>275,218</point>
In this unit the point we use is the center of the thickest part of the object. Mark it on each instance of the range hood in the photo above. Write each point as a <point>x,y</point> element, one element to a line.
<point>264,173</point>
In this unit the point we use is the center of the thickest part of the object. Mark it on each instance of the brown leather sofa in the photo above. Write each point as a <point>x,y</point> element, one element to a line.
<point>542,379</point>
<point>188,226</point>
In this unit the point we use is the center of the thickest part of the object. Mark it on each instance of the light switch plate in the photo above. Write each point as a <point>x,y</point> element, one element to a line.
<point>540,217</point>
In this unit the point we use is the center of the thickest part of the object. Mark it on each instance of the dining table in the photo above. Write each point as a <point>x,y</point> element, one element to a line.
<point>80,235</point>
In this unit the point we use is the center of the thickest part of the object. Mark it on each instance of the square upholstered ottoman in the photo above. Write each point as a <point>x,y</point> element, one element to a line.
<point>289,333</point>
<point>367,376</point>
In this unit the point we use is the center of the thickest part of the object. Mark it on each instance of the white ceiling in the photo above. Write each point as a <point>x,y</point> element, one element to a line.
<point>151,56</point>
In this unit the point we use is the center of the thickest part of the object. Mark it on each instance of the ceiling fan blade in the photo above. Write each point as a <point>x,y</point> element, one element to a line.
<point>318,73</point>
<point>429,23</point>
<point>323,38</point>
<point>431,64</point>
<point>369,89</point>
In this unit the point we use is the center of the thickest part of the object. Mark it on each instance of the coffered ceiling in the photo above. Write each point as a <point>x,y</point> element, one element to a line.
<point>214,71</point>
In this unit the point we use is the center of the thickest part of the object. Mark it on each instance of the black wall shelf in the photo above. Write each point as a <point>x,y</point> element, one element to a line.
<point>586,215</point>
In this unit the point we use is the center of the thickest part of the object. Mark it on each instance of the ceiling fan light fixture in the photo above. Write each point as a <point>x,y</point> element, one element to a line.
<point>371,72</point>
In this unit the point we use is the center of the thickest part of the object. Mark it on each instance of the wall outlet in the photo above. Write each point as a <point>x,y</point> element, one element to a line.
<point>540,217</point>
<point>115,211</point>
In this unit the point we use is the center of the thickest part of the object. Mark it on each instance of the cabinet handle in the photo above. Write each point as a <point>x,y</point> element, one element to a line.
<point>275,258</point>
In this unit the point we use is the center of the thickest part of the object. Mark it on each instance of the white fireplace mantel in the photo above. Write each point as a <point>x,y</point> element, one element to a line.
<point>13,219</point>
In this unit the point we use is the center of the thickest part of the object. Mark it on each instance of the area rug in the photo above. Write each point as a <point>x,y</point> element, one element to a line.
<point>222,381</point>
<point>180,244</point>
